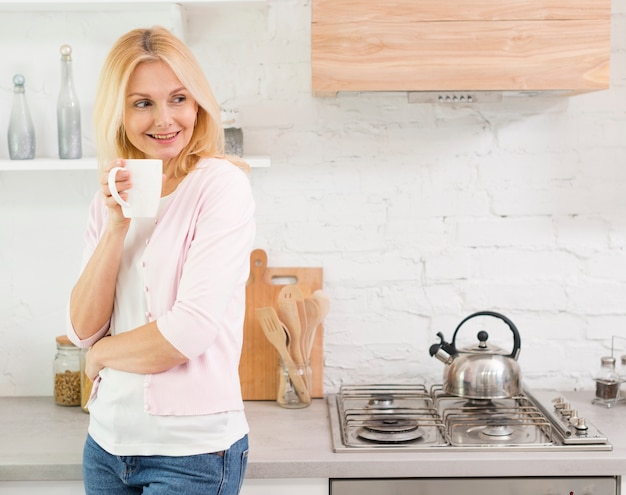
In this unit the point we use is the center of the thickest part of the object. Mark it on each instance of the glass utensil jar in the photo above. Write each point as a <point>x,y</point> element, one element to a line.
<point>66,368</point>
<point>294,385</point>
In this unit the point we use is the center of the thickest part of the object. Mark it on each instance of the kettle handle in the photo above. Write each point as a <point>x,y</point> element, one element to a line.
<point>516,338</point>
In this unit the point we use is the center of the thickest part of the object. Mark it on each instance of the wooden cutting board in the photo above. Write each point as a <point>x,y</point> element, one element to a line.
<point>258,368</point>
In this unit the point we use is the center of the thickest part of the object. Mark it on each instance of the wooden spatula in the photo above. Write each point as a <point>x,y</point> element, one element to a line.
<point>288,313</point>
<point>273,329</point>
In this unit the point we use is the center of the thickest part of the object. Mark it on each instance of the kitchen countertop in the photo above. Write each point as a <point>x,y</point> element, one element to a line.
<point>42,441</point>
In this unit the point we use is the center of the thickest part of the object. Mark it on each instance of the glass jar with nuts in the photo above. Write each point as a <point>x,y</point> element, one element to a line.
<point>66,368</point>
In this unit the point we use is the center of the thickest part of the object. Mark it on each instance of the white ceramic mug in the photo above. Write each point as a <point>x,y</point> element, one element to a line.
<point>144,195</point>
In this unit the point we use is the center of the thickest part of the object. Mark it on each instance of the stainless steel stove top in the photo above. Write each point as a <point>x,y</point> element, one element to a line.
<point>413,418</point>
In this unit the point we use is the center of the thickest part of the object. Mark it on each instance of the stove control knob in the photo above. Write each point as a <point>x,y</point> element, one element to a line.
<point>566,412</point>
<point>573,417</point>
<point>581,424</point>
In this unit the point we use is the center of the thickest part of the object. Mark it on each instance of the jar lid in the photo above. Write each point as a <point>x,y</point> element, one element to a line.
<point>608,360</point>
<point>64,340</point>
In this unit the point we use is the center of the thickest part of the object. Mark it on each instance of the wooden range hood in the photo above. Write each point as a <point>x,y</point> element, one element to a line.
<point>460,45</point>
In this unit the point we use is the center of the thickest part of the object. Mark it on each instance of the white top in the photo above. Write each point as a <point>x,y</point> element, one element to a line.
<point>119,422</point>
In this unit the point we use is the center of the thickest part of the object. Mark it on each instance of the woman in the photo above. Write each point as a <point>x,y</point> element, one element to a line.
<point>161,302</point>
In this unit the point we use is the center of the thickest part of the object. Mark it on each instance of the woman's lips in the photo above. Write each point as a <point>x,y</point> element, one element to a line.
<point>164,138</point>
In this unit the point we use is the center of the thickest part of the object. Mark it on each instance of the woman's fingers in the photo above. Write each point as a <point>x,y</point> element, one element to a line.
<point>122,183</point>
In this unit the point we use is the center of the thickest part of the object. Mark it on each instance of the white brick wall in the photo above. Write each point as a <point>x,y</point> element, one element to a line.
<point>419,214</point>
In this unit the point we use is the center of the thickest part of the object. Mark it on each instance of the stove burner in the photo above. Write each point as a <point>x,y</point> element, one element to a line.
<point>480,403</point>
<point>497,434</point>
<point>380,401</point>
<point>391,430</point>
<point>392,425</point>
<point>498,431</point>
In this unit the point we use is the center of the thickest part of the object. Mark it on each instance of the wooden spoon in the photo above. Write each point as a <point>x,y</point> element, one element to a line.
<point>303,330</point>
<point>273,329</point>
<point>313,319</point>
<point>323,302</point>
<point>288,313</point>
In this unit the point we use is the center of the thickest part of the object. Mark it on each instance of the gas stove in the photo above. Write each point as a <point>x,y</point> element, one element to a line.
<point>402,418</point>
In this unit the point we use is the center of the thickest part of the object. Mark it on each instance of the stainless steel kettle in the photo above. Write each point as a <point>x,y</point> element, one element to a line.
<point>481,371</point>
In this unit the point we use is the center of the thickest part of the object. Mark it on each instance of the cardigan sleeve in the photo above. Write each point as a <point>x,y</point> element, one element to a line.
<point>209,298</point>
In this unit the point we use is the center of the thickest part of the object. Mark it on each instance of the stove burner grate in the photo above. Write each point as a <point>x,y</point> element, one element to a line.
<point>388,415</point>
<point>386,433</point>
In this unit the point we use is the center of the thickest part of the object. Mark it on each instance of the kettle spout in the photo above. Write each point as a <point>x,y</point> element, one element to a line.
<point>443,351</point>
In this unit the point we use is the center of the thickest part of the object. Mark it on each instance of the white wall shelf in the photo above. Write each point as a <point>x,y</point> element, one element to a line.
<point>29,4</point>
<point>47,164</point>
<point>108,5</point>
<point>55,164</point>
<point>107,2</point>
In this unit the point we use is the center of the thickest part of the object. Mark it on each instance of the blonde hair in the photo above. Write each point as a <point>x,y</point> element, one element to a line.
<point>150,45</point>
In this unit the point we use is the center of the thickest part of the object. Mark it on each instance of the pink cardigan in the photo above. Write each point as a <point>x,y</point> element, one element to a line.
<point>196,264</point>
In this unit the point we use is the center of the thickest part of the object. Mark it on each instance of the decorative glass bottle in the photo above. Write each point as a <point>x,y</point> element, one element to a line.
<point>68,110</point>
<point>233,134</point>
<point>66,369</point>
<point>607,383</point>
<point>21,133</point>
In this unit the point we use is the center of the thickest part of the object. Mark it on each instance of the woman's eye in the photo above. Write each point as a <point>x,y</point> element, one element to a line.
<point>142,104</point>
<point>179,99</point>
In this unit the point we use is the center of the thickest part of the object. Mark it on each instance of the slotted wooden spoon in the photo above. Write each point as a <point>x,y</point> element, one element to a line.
<point>291,291</point>
<point>273,329</point>
<point>288,313</point>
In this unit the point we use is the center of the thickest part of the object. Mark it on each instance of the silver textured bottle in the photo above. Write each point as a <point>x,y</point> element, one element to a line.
<point>21,133</point>
<point>68,110</point>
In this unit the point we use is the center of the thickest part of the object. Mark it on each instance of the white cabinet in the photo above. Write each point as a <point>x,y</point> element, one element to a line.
<point>305,486</point>
<point>284,486</point>
<point>42,488</point>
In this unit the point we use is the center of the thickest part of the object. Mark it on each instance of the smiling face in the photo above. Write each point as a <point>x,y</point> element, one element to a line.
<point>160,113</point>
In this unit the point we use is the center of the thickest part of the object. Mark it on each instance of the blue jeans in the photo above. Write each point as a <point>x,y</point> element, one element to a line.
<point>218,473</point>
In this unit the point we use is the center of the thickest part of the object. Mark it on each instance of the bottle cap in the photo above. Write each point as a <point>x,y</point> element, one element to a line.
<point>19,80</point>
<point>66,52</point>
<point>63,340</point>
